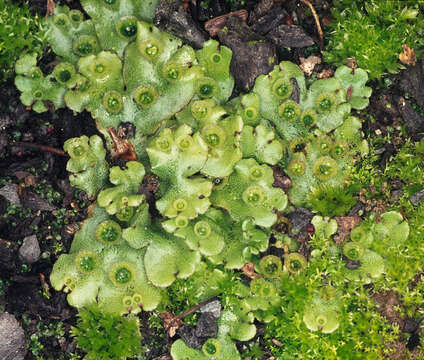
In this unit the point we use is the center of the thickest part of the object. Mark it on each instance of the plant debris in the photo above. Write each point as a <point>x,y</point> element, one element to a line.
<point>407,56</point>
<point>249,270</point>
<point>253,54</point>
<point>215,25</point>
<point>172,17</point>
<point>308,65</point>
<point>171,323</point>
<point>344,225</point>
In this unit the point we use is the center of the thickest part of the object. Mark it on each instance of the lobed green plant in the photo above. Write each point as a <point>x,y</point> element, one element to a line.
<point>216,202</point>
<point>105,336</point>
<point>373,33</point>
<point>123,69</point>
<point>21,32</point>
<point>318,161</point>
<point>370,242</point>
<point>87,163</point>
<point>120,253</point>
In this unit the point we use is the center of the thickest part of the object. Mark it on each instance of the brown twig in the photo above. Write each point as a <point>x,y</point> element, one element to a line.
<point>191,310</point>
<point>194,308</point>
<point>316,18</point>
<point>40,148</point>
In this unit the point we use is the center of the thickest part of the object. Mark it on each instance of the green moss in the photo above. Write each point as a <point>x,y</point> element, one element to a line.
<point>374,50</point>
<point>107,336</point>
<point>21,33</point>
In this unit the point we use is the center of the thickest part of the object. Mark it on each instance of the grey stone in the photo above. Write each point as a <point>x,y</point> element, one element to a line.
<point>396,194</point>
<point>262,8</point>
<point>213,307</point>
<point>207,326</point>
<point>417,197</point>
<point>411,325</point>
<point>12,338</point>
<point>357,210</point>
<point>267,22</point>
<point>352,264</point>
<point>30,249</point>
<point>3,143</point>
<point>299,219</point>
<point>10,192</point>
<point>188,335</point>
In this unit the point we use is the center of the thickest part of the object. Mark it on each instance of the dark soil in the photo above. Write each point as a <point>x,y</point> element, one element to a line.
<point>51,210</point>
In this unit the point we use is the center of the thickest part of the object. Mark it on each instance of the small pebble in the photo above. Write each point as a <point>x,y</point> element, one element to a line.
<point>12,338</point>
<point>417,197</point>
<point>30,250</point>
<point>213,307</point>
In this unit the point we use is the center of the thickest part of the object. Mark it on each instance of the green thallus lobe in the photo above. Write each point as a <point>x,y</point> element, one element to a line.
<point>108,232</point>
<point>270,266</point>
<point>127,27</point>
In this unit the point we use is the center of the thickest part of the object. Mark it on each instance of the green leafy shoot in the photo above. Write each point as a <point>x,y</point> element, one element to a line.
<point>107,337</point>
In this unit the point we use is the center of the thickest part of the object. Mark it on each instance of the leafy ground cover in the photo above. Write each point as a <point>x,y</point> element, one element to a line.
<point>296,206</point>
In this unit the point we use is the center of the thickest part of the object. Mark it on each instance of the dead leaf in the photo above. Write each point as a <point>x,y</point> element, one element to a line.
<point>325,21</point>
<point>171,323</point>
<point>45,285</point>
<point>186,5</point>
<point>307,65</point>
<point>21,174</point>
<point>379,209</point>
<point>122,148</point>
<point>213,26</point>
<point>407,56</point>
<point>345,224</point>
<point>50,8</point>
<point>277,342</point>
<point>71,229</point>
<point>126,130</point>
<point>288,20</point>
<point>249,270</point>
<point>281,180</point>
<point>30,180</point>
